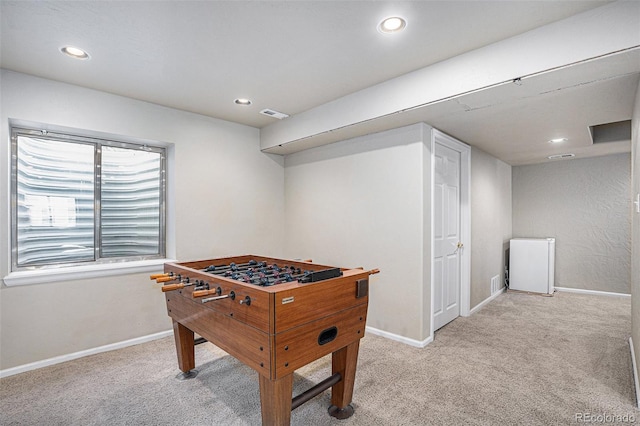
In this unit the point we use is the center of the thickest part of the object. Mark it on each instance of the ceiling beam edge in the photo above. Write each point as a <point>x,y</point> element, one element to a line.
<point>595,33</point>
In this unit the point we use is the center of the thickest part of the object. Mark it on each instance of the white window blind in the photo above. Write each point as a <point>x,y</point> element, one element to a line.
<point>79,200</point>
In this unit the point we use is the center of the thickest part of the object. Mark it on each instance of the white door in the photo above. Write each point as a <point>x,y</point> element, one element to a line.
<point>447,245</point>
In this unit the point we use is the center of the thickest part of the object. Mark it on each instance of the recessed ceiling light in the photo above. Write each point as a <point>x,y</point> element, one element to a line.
<point>558,140</point>
<point>74,52</point>
<point>242,101</point>
<point>392,24</point>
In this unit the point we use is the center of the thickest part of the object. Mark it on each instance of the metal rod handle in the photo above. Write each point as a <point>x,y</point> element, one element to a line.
<point>211,299</point>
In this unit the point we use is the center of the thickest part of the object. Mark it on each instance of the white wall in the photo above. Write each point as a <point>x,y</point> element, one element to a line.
<point>228,199</point>
<point>584,204</point>
<point>367,202</point>
<point>361,202</point>
<point>491,222</point>
<point>635,234</point>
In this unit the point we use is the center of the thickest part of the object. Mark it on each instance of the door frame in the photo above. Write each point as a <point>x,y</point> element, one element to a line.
<point>465,218</point>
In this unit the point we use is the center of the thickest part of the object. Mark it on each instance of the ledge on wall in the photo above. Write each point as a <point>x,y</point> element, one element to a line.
<point>83,272</point>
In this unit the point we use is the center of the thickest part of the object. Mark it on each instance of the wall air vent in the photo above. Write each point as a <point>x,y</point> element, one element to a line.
<point>620,131</point>
<point>274,114</point>
<point>560,156</point>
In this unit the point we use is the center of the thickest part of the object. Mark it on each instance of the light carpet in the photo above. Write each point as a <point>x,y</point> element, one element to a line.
<point>521,360</point>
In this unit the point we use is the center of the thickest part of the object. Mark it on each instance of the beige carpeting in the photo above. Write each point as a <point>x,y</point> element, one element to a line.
<point>521,360</point>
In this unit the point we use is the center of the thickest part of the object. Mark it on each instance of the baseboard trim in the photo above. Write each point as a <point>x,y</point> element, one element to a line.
<point>592,292</point>
<point>68,357</point>
<point>485,301</point>
<point>635,372</point>
<point>398,338</point>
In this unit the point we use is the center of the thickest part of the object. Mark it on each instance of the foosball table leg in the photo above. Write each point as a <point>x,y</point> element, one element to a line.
<point>344,362</point>
<point>275,400</point>
<point>185,348</point>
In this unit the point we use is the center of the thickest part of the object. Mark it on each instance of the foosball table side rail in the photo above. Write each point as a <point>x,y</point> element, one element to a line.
<point>248,344</point>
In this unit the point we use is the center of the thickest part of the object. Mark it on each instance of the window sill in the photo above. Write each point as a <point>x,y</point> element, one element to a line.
<point>82,272</point>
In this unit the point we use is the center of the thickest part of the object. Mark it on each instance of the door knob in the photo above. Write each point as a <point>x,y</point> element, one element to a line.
<point>458,246</point>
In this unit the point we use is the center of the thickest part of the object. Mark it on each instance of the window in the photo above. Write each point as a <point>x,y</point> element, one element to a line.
<point>78,200</point>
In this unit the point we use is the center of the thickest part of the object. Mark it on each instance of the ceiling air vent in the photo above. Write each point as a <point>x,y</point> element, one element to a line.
<point>274,114</point>
<point>560,156</point>
<point>619,131</point>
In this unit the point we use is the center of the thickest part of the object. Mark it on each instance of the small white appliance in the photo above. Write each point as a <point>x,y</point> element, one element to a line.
<point>532,264</point>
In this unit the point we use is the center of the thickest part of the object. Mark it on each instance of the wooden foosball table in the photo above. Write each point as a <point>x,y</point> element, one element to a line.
<point>275,316</point>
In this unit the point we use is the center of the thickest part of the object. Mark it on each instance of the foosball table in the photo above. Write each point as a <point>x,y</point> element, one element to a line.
<point>275,316</point>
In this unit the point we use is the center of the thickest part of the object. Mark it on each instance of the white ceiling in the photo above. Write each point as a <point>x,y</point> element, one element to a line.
<point>292,56</point>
